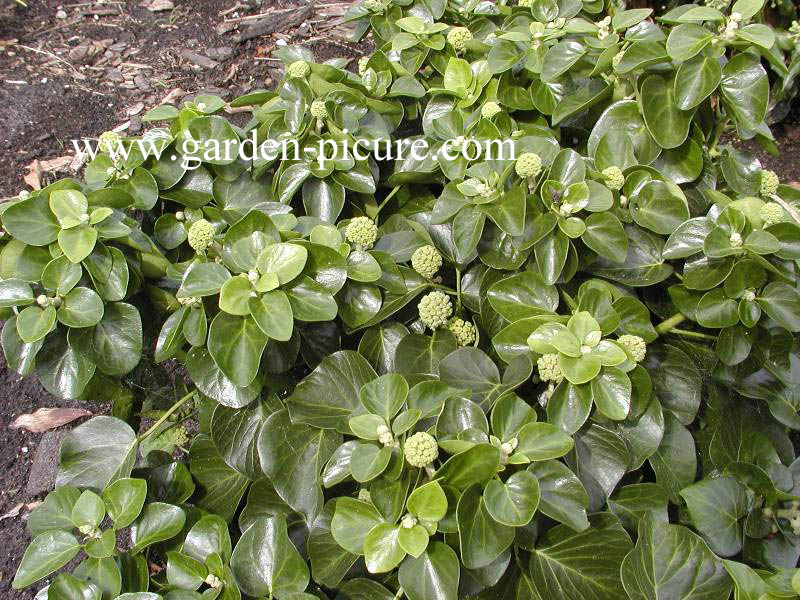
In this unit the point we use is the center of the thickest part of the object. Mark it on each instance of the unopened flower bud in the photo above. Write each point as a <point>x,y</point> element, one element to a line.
<point>490,109</point>
<point>635,345</point>
<point>769,183</point>
<point>435,309</point>
<point>615,179</point>
<point>298,69</point>
<point>464,331</point>
<point>549,368</point>
<point>421,449</point>
<point>458,37</point>
<point>408,522</point>
<point>362,232</point>
<point>528,164</point>
<point>426,261</point>
<point>201,234</point>
<point>771,213</point>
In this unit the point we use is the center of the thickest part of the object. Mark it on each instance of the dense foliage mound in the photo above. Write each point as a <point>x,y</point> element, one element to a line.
<point>567,373</point>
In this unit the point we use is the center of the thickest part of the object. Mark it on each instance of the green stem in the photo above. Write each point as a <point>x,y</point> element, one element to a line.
<point>787,513</point>
<point>444,288</point>
<point>399,594</point>
<point>458,289</point>
<point>167,414</point>
<point>569,300</point>
<point>386,200</point>
<point>722,124</point>
<point>670,323</point>
<point>693,334</point>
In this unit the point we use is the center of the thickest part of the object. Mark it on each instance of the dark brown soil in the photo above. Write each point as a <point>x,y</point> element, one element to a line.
<point>64,78</point>
<point>17,448</point>
<point>104,65</point>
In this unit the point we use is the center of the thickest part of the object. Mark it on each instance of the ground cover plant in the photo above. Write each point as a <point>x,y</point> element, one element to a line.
<point>568,374</point>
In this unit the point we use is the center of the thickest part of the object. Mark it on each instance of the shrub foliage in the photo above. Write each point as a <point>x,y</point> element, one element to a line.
<point>568,374</point>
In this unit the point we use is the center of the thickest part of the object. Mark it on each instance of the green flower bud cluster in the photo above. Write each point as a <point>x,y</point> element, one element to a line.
<point>718,4</point>
<point>408,521</point>
<point>507,448</point>
<point>45,301</point>
<point>421,449</point>
<point>426,261</point>
<point>176,436</point>
<point>457,37</point>
<point>736,240</point>
<point>90,531</point>
<point>528,164</point>
<point>364,495</point>
<point>635,345</point>
<point>385,436</point>
<point>615,179</point>
<point>201,234</point>
<point>318,109</point>
<point>362,65</point>
<point>435,309</point>
<point>549,369</point>
<point>298,69</point>
<point>617,59</point>
<point>490,109</point>
<point>603,28</point>
<point>749,295</point>
<point>794,29</point>
<point>372,5</point>
<point>190,301</point>
<point>362,232</point>
<point>464,331</point>
<point>108,141</point>
<point>769,183</point>
<point>484,189</point>
<point>771,213</point>
<point>525,3</point>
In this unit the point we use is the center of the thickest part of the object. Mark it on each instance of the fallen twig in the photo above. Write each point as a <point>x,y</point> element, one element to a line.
<point>275,21</point>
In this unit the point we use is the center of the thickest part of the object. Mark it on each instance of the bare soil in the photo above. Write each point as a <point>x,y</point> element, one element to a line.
<point>100,66</point>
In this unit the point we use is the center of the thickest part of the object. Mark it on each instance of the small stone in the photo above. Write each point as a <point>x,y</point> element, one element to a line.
<point>61,14</point>
<point>114,75</point>
<point>221,53</point>
<point>142,83</point>
<point>42,476</point>
<point>198,59</point>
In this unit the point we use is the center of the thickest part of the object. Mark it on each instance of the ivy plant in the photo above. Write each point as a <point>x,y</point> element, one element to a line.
<point>567,369</point>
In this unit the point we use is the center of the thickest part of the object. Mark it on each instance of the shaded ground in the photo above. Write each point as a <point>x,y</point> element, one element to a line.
<point>64,78</point>
<point>66,73</point>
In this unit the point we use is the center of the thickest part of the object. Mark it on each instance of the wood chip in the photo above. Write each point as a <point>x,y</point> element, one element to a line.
<point>48,418</point>
<point>136,109</point>
<point>277,21</point>
<point>157,5</point>
<point>198,59</point>
<point>17,510</point>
